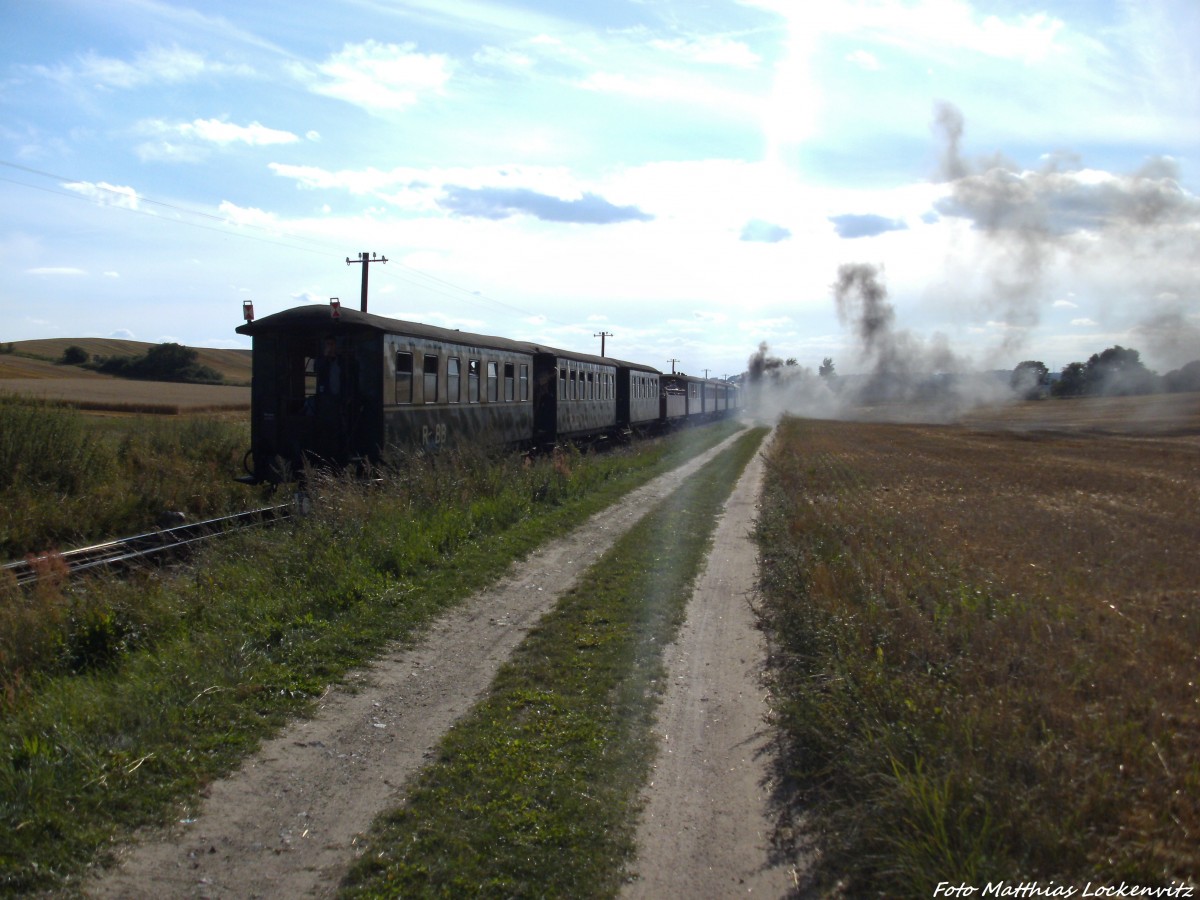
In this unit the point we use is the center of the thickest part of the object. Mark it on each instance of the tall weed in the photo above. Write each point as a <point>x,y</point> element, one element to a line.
<point>68,479</point>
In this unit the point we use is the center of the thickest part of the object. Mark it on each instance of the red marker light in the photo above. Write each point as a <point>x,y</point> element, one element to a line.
<point>248,310</point>
<point>335,307</point>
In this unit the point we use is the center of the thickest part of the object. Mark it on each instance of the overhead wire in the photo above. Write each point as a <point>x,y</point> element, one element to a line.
<point>228,226</point>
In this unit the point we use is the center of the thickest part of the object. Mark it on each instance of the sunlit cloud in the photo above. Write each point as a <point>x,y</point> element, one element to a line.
<point>378,76</point>
<point>105,194</point>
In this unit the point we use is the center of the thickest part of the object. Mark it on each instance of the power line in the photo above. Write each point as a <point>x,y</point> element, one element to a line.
<point>304,244</point>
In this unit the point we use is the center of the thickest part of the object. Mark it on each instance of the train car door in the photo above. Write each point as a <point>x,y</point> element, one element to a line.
<point>545,400</point>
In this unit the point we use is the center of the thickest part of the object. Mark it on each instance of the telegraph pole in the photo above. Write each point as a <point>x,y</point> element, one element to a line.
<point>602,335</point>
<point>672,362</point>
<point>365,259</point>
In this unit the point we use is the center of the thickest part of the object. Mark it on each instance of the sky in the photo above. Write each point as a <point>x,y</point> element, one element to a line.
<point>1020,180</point>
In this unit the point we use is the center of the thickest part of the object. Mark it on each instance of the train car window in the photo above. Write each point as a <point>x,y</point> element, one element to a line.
<point>431,378</point>
<point>452,379</point>
<point>404,377</point>
<point>562,384</point>
<point>591,385</point>
<point>510,382</point>
<point>524,382</point>
<point>472,381</point>
<point>493,385</point>
<point>574,386</point>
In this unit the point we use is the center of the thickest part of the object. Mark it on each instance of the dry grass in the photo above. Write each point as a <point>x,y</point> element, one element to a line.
<point>124,395</point>
<point>989,640</point>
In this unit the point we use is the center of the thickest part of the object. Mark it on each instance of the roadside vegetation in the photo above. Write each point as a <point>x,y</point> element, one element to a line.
<point>66,478</point>
<point>986,653</point>
<point>120,699</point>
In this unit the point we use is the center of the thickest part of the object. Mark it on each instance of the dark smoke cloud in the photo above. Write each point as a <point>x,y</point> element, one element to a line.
<point>899,365</point>
<point>1066,212</point>
<point>1169,336</point>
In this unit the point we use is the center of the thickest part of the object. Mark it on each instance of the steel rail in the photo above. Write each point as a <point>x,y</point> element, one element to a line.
<point>125,551</point>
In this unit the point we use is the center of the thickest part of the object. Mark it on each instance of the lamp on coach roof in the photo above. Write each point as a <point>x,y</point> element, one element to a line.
<point>335,307</point>
<point>248,310</point>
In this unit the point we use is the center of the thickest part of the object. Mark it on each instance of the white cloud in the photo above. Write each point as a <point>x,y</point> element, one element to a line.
<point>1065,304</point>
<point>105,194</point>
<point>239,215</point>
<point>156,65</point>
<point>380,76</point>
<point>501,58</point>
<point>217,132</point>
<point>675,89</point>
<point>864,60</point>
<point>56,270</point>
<point>1084,323</point>
<point>713,49</point>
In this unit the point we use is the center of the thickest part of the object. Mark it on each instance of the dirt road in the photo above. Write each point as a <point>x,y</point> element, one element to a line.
<point>288,823</point>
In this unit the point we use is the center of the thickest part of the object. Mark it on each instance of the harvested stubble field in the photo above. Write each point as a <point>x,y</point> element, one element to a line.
<point>33,372</point>
<point>70,385</point>
<point>987,645</point>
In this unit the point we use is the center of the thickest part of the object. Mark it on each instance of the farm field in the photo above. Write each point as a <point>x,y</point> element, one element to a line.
<point>103,393</point>
<point>987,643</point>
<point>233,364</point>
<point>31,371</point>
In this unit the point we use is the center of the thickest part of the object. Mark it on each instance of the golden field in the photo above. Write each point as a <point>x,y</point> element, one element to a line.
<point>31,371</point>
<point>988,642</point>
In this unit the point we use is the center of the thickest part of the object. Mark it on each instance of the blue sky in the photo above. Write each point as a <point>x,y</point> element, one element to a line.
<point>1023,179</point>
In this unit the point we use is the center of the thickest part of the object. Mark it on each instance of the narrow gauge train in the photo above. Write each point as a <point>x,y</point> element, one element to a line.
<point>340,388</point>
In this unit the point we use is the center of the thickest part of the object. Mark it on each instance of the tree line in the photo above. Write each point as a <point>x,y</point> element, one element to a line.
<point>162,362</point>
<point>1117,371</point>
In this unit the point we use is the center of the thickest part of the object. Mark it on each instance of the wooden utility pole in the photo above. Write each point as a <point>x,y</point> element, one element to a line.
<point>602,335</point>
<point>365,259</point>
<point>672,362</point>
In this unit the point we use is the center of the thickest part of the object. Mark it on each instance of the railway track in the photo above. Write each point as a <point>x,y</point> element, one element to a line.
<point>152,545</point>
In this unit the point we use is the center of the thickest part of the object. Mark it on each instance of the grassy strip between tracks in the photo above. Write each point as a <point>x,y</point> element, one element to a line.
<point>535,792</point>
<point>135,693</point>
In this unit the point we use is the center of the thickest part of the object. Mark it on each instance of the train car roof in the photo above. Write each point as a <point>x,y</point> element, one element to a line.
<point>317,317</point>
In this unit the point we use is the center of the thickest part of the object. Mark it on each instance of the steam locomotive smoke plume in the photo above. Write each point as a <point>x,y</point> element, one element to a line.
<point>899,364</point>
<point>1136,236</point>
<point>862,303</point>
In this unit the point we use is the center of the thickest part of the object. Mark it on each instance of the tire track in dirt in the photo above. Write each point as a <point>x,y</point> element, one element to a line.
<point>288,823</point>
<point>706,827</point>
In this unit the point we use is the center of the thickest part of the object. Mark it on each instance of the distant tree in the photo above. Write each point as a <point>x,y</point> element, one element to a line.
<point>1030,379</point>
<point>1119,371</point>
<point>162,362</point>
<point>6,348</point>
<point>826,369</point>
<point>1184,379</point>
<point>74,355</point>
<point>791,361</point>
<point>1073,382</point>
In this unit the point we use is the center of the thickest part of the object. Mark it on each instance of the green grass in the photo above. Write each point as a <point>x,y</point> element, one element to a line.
<point>535,792</point>
<point>67,479</point>
<point>133,694</point>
